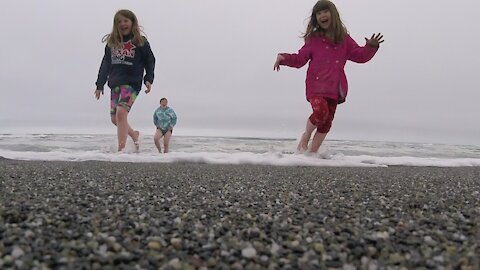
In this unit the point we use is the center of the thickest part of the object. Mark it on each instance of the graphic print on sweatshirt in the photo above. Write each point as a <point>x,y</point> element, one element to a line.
<point>120,55</point>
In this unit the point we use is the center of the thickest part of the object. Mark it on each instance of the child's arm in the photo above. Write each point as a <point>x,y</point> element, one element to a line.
<point>149,63</point>
<point>155,118</point>
<point>297,60</point>
<point>174,118</point>
<point>104,69</point>
<point>359,54</point>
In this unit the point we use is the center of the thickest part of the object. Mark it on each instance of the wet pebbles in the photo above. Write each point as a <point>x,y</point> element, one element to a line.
<point>100,215</point>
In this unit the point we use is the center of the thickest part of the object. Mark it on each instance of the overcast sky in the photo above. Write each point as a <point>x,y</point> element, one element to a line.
<point>214,64</point>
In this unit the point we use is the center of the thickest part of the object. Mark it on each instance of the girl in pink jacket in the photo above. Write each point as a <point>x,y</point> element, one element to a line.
<point>327,48</point>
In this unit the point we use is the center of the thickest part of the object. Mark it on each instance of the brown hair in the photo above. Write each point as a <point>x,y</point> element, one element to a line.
<point>115,38</point>
<point>337,30</point>
<point>163,99</point>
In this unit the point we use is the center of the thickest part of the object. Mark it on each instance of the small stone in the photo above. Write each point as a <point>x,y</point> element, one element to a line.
<point>177,221</point>
<point>237,266</point>
<point>196,262</point>
<point>187,266</point>
<point>29,234</point>
<point>253,232</point>
<point>17,252</point>
<point>211,262</point>
<point>175,263</point>
<point>18,264</point>
<point>92,244</point>
<point>381,235</point>
<point>8,260</point>
<point>364,262</point>
<point>373,265</point>
<point>459,237</point>
<point>430,241</point>
<point>451,250</point>
<point>396,258</point>
<point>176,243</point>
<point>319,248</point>
<point>333,264</point>
<point>426,251</point>
<point>154,245</point>
<point>249,252</point>
<point>116,247</point>
<point>103,249</point>
<point>275,249</point>
<point>371,251</point>
<point>349,267</point>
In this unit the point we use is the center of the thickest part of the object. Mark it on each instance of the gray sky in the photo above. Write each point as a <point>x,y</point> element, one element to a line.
<point>214,64</point>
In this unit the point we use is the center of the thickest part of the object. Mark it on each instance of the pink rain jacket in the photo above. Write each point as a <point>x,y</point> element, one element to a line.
<point>325,75</point>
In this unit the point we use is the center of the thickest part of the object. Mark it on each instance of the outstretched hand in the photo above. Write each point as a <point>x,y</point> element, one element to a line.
<point>375,40</point>
<point>276,66</point>
<point>149,87</point>
<point>98,92</point>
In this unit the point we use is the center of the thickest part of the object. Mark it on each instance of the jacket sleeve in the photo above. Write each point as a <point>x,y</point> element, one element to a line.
<point>104,69</point>
<point>149,63</point>
<point>298,60</point>
<point>173,115</point>
<point>359,54</point>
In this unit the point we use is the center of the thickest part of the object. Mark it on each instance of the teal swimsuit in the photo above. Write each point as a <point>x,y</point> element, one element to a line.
<point>164,119</point>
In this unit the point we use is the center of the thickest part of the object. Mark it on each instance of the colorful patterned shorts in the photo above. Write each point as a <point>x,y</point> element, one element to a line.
<point>123,95</point>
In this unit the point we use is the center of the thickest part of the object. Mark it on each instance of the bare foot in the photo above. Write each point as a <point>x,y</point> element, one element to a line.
<point>121,148</point>
<point>136,142</point>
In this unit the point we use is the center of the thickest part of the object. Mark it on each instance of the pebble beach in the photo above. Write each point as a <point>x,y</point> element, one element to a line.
<point>109,215</point>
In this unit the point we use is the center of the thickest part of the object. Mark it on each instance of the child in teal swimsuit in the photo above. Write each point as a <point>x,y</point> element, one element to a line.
<point>164,119</point>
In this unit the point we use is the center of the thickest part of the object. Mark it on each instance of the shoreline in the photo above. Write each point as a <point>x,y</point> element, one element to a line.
<point>188,215</point>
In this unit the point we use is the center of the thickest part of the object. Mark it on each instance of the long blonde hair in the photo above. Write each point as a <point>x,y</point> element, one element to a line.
<point>337,30</point>
<point>115,38</point>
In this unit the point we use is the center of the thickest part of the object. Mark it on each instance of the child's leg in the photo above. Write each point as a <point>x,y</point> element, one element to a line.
<point>319,115</point>
<point>114,118</point>
<point>122,127</point>
<point>156,139</point>
<point>303,144</point>
<point>125,101</point>
<point>317,141</point>
<point>324,125</point>
<point>134,134</point>
<point>166,141</point>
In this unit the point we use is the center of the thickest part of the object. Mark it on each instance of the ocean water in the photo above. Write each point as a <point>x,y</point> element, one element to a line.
<point>228,150</point>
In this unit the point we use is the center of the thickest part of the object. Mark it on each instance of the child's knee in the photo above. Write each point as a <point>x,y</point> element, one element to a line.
<point>318,118</point>
<point>324,128</point>
<point>323,122</point>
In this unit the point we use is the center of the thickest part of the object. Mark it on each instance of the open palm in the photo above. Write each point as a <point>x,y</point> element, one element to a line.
<point>375,40</point>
